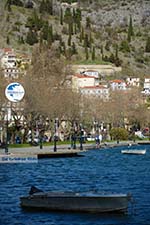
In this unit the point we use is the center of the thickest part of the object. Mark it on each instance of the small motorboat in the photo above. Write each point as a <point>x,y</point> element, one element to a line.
<point>74,201</point>
<point>134,151</point>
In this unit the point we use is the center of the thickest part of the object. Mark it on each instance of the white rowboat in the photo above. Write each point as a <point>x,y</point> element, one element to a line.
<point>134,151</point>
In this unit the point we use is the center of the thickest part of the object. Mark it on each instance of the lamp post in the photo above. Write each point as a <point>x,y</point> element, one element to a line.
<point>73,137</point>
<point>40,131</point>
<point>81,137</point>
<point>41,140</point>
<point>55,137</point>
<point>6,138</point>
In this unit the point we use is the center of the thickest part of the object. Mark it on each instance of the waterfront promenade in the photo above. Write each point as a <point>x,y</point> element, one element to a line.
<point>64,149</point>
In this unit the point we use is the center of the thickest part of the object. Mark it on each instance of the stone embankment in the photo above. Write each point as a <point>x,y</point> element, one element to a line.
<point>65,150</point>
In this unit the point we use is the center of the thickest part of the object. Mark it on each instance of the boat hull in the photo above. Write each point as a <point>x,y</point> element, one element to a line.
<point>108,203</point>
<point>137,152</point>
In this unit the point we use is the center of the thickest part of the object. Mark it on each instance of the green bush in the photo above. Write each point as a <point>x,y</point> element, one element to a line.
<point>119,133</point>
<point>124,46</point>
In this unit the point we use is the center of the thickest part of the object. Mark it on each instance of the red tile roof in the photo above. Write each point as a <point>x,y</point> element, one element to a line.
<point>117,81</point>
<point>95,87</point>
<point>90,71</point>
<point>83,76</point>
<point>7,50</point>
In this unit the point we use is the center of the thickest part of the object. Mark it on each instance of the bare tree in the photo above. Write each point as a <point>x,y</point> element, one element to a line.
<point>47,86</point>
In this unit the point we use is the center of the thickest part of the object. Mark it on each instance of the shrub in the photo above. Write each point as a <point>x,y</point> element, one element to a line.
<point>124,46</point>
<point>119,133</point>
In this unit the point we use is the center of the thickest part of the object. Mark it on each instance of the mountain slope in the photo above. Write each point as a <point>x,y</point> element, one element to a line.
<point>100,35</point>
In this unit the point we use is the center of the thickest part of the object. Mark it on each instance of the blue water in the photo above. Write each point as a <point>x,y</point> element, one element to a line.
<point>99,170</point>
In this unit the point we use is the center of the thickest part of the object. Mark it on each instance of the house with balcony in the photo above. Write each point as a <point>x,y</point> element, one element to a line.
<point>11,72</point>
<point>146,86</point>
<point>8,58</point>
<point>101,91</point>
<point>117,85</point>
<point>133,82</point>
<point>13,65</point>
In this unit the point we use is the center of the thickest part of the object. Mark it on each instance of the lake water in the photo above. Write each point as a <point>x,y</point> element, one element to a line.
<point>99,170</point>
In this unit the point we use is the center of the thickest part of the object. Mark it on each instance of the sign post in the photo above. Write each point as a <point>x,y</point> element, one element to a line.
<point>14,92</point>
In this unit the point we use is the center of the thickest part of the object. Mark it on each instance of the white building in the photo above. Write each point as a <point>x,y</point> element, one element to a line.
<point>118,85</point>
<point>79,80</point>
<point>8,60</point>
<point>93,73</point>
<point>101,91</point>
<point>146,86</point>
<point>147,83</point>
<point>134,82</point>
<point>11,72</point>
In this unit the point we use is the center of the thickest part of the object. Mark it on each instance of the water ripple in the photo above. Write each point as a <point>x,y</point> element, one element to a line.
<point>104,170</point>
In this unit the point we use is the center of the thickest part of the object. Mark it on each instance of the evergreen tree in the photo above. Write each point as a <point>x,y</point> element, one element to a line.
<point>112,58</point>
<point>8,18</point>
<point>8,5</point>
<point>70,28</point>
<point>130,30</point>
<point>8,40</point>
<point>20,40</point>
<point>107,45</point>
<point>78,18</point>
<point>86,41</point>
<point>68,54</point>
<point>45,31</point>
<point>49,6</point>
<point>93,54</point>
<point>63,48</point>
<point>75,28</point>
<point>34,22</point>
<point>86,53</point>
<point>50,35</point>
<point>29,4</point>
<point>68,16</point>
<point>118,62</point>
<point>147,47</point>
<point>82,34</point>
<point>69,40</point>
<point>74,15</point>
<point>42,7</point>
<point>102,51</point>
<point>124,46</point>
<point>31,38</point>
<point>91,40</point>
<point>88,23</point>
<point>116,51</point>
<point>74,51</point>
<point>61,16</point>
<point>46,6</point>
<point>17,2</point>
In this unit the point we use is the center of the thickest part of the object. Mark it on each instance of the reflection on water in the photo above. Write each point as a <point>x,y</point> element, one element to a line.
<point>99,170</point>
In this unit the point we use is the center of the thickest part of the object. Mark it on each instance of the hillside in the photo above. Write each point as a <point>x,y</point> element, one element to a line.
<point>94,31</point>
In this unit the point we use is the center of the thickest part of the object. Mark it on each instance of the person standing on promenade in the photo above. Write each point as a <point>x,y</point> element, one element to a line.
<point>98,140</point>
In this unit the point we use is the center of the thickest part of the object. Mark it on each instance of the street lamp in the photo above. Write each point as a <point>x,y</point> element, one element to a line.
<point>6,138</point>
<point>81,137</point>
<point>55,131</point>
<point>73,137</point>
